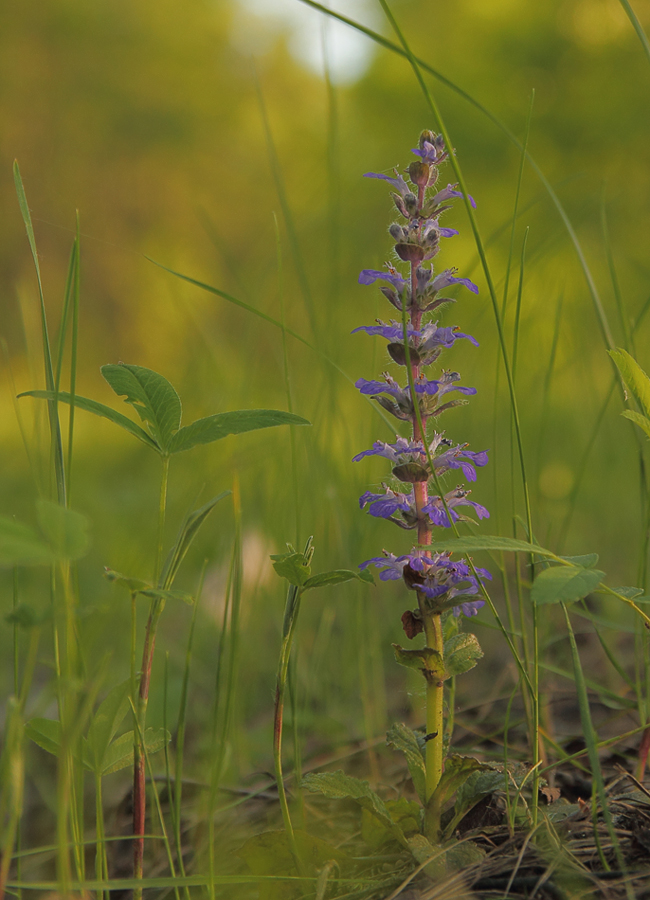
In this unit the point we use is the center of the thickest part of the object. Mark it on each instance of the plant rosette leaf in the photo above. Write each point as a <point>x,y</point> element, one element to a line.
<point>401,737</point>
<point>457,771</point>
<point>564,584</point>
<point>462,652</point>
<point>477,786</point>
<point>406,814</point>
<point>339,786</point>
<point>269,854</point>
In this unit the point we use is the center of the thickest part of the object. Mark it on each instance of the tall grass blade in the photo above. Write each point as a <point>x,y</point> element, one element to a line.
<point>637,26</point>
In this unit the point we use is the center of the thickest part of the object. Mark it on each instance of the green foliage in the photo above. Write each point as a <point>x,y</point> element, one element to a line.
<point>401,737</point>
<point>214,428</point>
<point>462,652</point>
<point>424,658</point>
<point>293,567</point>
<point>406,814</point>
<point>338,576</point>
<point>634,377</point>
<point>564,584</point>
<point>269,854</point>
<point>156,402</point>
<point>339,786</point>
<point>457,771</point>
<point>66,534</point>
<point>186,535</point>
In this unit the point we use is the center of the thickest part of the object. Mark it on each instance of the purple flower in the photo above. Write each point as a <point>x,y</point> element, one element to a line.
<point>393,566</point>
<point>449,192</point>
<point>369,276</point>
<point>397,182</point>
<point>447,278</point>
<point>383,506</point>
<point>401,406</point>
<point>431,153</point>
<point>392,332</point>
<point>435,508</point>
<point>456,458</point>
<point>447,232</point>
<point>431,339</point>
<point>437,577</point>
<point>399,452</point>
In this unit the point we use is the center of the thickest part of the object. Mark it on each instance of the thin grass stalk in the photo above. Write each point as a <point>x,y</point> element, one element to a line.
<point>101,863</point>
<point>180,730</point>
<point>590,740</point>
<point>637,26</point>
<point>287,215</point>
<point>74,343</point>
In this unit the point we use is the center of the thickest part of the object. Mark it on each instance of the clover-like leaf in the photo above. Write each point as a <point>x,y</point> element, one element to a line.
<point>564,584</point>
<point>154,399</point>
<point>220,425</point>
<point>337,576</point>
<point>98,409</point>
<point>292,567</point>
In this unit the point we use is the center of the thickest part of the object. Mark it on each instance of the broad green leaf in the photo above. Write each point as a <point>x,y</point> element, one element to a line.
<point>633,376</point>
<point>404,813</point>
<point>563,584</point>
<point>337,576</point>
<point>423,850</point>
<point>186,535</point>
<point>66,530</point>
<point>587,561</point>
<point>214,428</point>
<point>486,542</point>
<point>457,771</point>
<point>119,754</point>
<point>21,546</point>
<point>400,737</point>
<point>462,652</point>
<point>292,567</point>
<point>154,399</point>
<point>630,592</point>
<point>46,733</point>
<point>424,658</point>
<point>106,721</point>
<point>268,854</point>
<point>339,786</point>
<point>638,419</point>
<point>477,786</point>
<point>99,409</point>
<point>135,585</point>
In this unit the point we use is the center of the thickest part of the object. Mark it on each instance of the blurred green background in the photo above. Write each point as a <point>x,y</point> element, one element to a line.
<point>148,118</point>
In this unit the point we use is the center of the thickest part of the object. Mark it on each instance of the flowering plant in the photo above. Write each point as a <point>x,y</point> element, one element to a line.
<point>445,589</point>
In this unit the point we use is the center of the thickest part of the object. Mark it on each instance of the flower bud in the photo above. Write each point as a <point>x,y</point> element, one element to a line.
<point>411,253</point>
<point>396,232</point>
<point>419,173</point>
<point>411,473</point>
<point>428,137</point>
<point>398,354</point>
<point>411,203</point>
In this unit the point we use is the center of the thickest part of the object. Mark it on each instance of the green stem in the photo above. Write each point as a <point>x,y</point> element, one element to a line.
<point>162,506</point>
<point>435,727</point>
<point>101,867</point>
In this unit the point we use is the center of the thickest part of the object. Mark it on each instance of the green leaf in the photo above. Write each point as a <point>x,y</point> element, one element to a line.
<point>154,593</point>
<point>152,396</point>
<point>99,410</point>
<point>268,854</point>
<point>404,813</point>
<point>475,788</point>
<point>460,856</point>
<point>457,771</point>
<point>486,542</point>
<point>119,754</point>
<point>424,658</point>
<point>106,721</point>
<point>638,419</point>
<point>400,737</point>
<point>423,850</point>
<point>26,617</point>
<point>462,652</point>
<point>46,733</point>
<point>21,546</point>
<point>630,592</point>
<point>186,535</point>
<point>336,576</point>
<point>564,584</point>
<point>339,786</point>
<point>66,530</point>
<point>292,567</point>
<point>587,561</point>
<point>135,585</point>
<point>634,377</point>
<point>214,428</point>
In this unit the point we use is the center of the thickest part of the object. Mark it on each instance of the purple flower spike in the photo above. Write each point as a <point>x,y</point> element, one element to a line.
<point>392,332</point>
<point>369,276</point>
<point>435,508</point>
<point>447,278</point>
<point>430,153</point>
<point>397,452</point>
<point>383,506</point>
<point>397,182</point>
